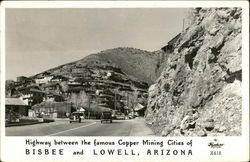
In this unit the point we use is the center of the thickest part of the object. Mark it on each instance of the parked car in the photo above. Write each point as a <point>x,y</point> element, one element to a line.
<point>131,116</point>
<point>113,114</point>
<point>120,116</point>
<point>106,116</point>
<point>76,117</point>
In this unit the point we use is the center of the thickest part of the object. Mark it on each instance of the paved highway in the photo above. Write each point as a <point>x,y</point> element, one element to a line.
<point>133,127</point>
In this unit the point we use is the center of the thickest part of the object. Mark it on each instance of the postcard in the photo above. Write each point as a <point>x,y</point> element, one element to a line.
<point>125,81</point>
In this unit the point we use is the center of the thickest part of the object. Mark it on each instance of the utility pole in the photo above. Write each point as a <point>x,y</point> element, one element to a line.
<point>89,101</point>
<point>128,103</point>
<point>116,91</point>
<point>71,107</point>
<point>127,99</point>
<point>183,25</point>
<point>89,105</point>
<point>115,100</point>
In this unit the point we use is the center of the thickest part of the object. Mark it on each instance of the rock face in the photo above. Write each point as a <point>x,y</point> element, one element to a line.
<point>199,91</point>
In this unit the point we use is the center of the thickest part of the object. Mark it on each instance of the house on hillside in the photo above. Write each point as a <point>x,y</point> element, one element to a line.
<point>80,64</point>
<point>74,90</point>
<point>54,92</point>
<point>80,70</point>
<point>58,78</point>
<point>44,79</point>
<point>73,83</point>
<point>89,90</point>
<point>97,74</point>
<point>21,78</point>
<point>52,96</point>
<point>74,86</point>
<point>170,45</point>
<point>55,87</point>
<point>105,98</point>
<point>31,94</point>
<point>22,81</point>
<point>18,84</point>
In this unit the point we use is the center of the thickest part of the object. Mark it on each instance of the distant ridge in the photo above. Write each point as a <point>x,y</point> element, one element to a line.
<point>139,65</point>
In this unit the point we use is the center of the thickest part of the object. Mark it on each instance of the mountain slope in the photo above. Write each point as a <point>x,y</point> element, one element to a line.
<point>138,64</point>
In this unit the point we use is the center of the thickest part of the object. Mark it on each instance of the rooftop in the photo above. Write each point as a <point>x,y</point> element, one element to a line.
<point>15,101</point>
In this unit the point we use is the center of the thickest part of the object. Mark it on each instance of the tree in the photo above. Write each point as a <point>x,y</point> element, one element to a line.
<point>80,100</point>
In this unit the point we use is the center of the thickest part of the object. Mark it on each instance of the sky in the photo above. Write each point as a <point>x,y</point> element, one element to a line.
<point>40,39</point>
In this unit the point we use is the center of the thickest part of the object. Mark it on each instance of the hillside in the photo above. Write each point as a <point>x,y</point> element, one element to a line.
<point>199,90</point>
<point>137,64</point>
<point>114,78</point>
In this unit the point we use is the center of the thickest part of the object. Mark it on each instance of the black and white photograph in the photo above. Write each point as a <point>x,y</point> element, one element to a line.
<point>142,72</point>
<point>166,72</point>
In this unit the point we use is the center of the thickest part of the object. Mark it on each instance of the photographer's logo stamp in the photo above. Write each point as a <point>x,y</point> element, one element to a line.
<point>216,146</point>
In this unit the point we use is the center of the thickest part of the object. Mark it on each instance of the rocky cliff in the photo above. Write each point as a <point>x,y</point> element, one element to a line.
<point>199,91</point>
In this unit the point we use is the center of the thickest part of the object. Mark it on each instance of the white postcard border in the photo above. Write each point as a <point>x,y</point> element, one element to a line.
<point>236,148</point>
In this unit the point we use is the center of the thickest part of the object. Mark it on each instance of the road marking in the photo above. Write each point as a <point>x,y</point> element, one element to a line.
<point>71,129</point>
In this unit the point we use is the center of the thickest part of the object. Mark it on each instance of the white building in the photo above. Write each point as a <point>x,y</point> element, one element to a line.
<point>43,80</point>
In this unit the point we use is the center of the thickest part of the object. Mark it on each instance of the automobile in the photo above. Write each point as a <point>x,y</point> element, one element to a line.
<point>136,114</point>
<point>119,116</point>
<point>106,116</point>
<point>113,114</point>
<point>76,117</point>
<point>131,116</point>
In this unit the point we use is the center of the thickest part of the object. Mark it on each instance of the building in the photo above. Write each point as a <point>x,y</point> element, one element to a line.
<point>170,46</point>
<point>21,78</point>
<point>53,97</point>
<point>15,108</point>
<point>43,79</point>
<point>32,94</point>
<point>9,88</point>
<point>53,109</point>
<point>73,82</point>
<point>139,110</point>
<point>55,87</point>
<point>94,111</point>
<point>58,78</point>
<point>23,81</point>
<point>81,70</point>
